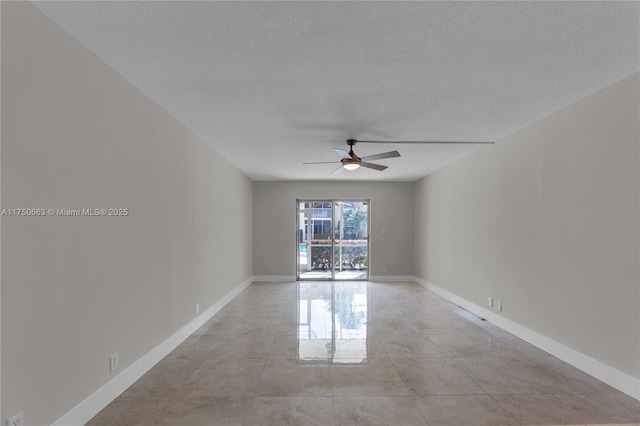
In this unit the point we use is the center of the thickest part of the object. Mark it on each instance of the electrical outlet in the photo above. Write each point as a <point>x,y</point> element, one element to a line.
<point>490,302</point>
<point>17,420</point>
<point>197,308</point>
<point>500,305</point>
<point>114,361</point>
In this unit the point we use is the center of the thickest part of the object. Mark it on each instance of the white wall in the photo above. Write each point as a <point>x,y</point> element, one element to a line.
<point>547,220</point>
<point>75,289</point>
<point>275,223</point>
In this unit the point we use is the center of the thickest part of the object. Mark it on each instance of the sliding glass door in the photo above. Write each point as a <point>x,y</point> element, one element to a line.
<point>332,239</point>
<point>315,233</point>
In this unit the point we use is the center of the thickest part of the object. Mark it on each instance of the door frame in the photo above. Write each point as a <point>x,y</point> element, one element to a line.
<point>333,202</point>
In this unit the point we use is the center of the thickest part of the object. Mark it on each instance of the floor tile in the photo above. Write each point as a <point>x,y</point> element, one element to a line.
<point>266,327</point>
<point>504,375</point>
<point>130,411</point>
<point>284,346</point>
<point>374,377</point>
<point>311,411</point>
<point>445,324</point>
<point>161,411</point>
<point>224,377</point>
<point>166,379</point>
<point>470,346</point>
<point>220,324</point>
<point>386,312</point>
<point>288,326</point>
<point>219,411</point>
<point>435,376</point>
<point>286,377</point>
<point>462,410</point>
<point>249,313</point>
<point>242,347</point>
<point>358,348</point>
<point>196,347</point>
<point>403,344</point>
<point>548,409</point>
<point>572,379</point>
<point>377,410</point>
<point>615,407</point>
<point>385,325</point>
<point>514,346</point>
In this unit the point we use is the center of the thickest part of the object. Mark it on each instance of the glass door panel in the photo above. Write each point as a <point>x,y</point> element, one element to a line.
<point>315,234</point>
<point>351,244</point>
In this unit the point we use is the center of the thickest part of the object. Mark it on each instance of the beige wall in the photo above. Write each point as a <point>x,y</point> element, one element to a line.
<point>275,223</point>
<point>547,220</point>
<point>76,289</point>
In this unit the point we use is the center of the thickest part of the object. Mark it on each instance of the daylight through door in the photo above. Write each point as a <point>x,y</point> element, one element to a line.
<point>332,239</point>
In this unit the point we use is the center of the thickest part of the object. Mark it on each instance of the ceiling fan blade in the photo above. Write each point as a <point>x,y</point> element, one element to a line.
<point>322,162</point>
<point>389,154</point>
<point>342,153</point>
<point>338,170</point>
<point>427,142</point>
<point>378,167</point>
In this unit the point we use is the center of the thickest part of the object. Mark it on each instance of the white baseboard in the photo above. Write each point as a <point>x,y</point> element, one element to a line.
<point>609,375</point>
<point>391,278</point>
<point>274,278</point>
<point>97,401</point>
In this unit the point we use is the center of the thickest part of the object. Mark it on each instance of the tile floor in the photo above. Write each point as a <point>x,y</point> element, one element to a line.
<point>358,353</point>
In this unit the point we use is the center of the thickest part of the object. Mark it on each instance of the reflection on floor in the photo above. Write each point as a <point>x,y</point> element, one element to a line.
<point>326,353</point>
<point>332,322</point>
<point>340,275</point>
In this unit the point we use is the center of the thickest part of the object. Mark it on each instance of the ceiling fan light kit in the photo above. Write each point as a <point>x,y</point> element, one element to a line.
<point>350,161</point>
<point>350,164</point>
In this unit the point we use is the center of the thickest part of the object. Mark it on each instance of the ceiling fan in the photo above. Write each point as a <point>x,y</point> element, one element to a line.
<point>350,161</point>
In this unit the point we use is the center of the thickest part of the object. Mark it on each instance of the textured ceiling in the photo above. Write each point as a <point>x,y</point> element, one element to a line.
<point>273,84</point>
